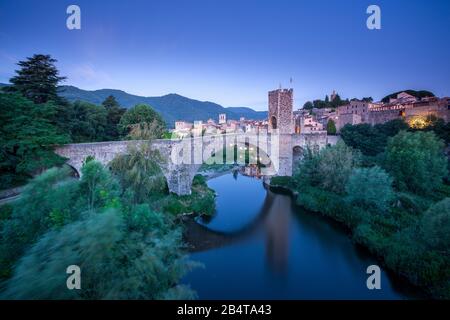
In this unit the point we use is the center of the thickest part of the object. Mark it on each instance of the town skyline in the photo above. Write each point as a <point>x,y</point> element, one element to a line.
<point>193,50</point>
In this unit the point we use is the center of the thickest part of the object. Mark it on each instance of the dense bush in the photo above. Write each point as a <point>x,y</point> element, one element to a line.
<point>371,140</point>
<point>329,204</point>
<point>370,187</point>
<point>138,171</point>
<point>328,169</point>
<point>435,226</point>
<point>416,162</point>
<point>413,203</point>
<point>281,181</point>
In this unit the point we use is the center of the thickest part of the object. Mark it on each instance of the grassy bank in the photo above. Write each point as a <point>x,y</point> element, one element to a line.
<point>200,201</point>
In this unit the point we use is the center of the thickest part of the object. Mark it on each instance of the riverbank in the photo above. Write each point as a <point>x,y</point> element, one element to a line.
<point>395,246</point>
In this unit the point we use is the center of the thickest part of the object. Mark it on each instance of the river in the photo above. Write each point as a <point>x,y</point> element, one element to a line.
<point>272,249</point>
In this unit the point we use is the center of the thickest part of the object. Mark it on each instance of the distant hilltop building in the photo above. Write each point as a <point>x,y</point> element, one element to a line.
<point>222,118</point>
<point>280,111</point>
<point>333,95</point>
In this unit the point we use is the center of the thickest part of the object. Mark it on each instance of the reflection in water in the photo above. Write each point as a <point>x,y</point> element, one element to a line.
<point>259,245</point>
<point>277,232</point>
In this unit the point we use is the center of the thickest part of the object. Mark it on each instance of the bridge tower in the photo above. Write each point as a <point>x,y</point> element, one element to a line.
<point>281,127</point>
<point>280,111</point>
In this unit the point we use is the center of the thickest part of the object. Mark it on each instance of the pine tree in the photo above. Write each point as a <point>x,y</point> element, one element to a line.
<point>114,114</point>
<point>26,137</point>
<point>37,79</point>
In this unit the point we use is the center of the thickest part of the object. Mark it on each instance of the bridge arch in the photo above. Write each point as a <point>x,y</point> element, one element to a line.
<point>73,171</point>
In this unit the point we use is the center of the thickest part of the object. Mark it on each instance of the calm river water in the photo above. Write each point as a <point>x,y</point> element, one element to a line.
<point>279,251</point>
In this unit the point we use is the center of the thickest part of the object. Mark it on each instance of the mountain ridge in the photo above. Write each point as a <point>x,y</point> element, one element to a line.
<point>172,106</point>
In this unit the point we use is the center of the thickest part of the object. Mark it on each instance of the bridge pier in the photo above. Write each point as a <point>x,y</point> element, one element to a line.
<point>179,178</point>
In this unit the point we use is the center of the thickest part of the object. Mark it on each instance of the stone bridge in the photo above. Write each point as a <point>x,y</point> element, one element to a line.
<point>182,158</point>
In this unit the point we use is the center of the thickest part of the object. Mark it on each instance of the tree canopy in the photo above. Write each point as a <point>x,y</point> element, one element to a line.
<point>142,119</point>
<point>370,188</point>
<point>329,168</point>
<point>113,115</point>
<point>27,134</point>
<point>371,140</point>
<point>37,79</point>
<point>331,127</point>
<point>416,161</point>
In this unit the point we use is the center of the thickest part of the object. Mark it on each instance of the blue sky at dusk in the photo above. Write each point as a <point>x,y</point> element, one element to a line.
<point>232,52</point>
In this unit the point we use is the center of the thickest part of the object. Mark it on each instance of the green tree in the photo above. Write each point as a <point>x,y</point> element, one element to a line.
<point>308,105</point>
<point>113,116</point>
<point>87,122</point>
<point>328,168</point>
<point>115,263</point>
<point>370,187</point>
<point>435,226</point>
<point>331,127</point>
<point>142,118</point>
<point>371,140</point>
<point>27,135</point>
<point>138,172</point>
<point>319,104</point>
<point>391,128</point>
<point>416,161</point>
<point>37,79</point>
<point>97,185</point>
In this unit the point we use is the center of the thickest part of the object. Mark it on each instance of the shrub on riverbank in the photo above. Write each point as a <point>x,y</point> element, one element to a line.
<point>328,169</point>
<point>281,181</point>
<point>416,161</point>
<point>370,188</point>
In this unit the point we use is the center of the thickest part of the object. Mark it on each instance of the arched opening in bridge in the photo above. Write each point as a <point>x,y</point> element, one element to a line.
<point>273,122</point>
<point>297,155</point>
<point>73,173</point>
<point>243,154</point>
